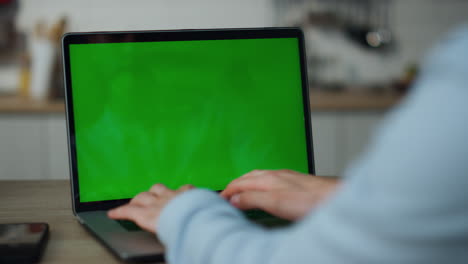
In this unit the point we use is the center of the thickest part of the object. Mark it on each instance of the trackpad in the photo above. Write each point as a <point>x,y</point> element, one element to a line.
<point>125,238</point>
<point>135,242</point>
<point>129,225</point>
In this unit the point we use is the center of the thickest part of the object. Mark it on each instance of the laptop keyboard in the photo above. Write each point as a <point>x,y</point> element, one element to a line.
<point>265,219</point>
<point>129,225</point>
<point>256,214</point>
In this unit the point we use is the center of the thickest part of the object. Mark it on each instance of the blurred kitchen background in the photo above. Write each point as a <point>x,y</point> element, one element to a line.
<point>362,56</point>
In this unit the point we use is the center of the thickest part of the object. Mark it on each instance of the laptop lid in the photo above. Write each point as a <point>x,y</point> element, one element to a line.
<point>197,107</point>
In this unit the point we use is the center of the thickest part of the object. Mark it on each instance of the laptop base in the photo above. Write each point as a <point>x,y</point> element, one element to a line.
<point>131,246</point>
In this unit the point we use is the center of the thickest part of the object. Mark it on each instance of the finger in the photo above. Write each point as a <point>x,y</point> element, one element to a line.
<point>185,188</point>
<point>159,189</point>
<point>259,180</point>
<point>250,174</point>
<point>134,213</point>
<point>253,173</point>
<point>260,183</point>
<point>237,186</point>
<point>254,200</point>
<point>144,198</point>
<point>126,212</point>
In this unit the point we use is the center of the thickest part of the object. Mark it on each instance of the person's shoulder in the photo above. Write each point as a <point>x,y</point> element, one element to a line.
<point>454,38</point>
<point>459,33</point>
<point>450,54</point>
<point>457,41</point>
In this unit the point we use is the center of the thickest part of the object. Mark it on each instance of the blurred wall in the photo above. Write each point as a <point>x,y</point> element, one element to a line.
<point>419,24</point>
<point>93,15</point>
<point>416,24</point>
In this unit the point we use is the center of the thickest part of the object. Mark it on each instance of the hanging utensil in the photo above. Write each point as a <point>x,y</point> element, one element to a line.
<point>359,28</point>
<point>380,37</point>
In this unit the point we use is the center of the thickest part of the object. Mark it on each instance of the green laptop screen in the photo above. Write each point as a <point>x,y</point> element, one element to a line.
<point>184,112</point>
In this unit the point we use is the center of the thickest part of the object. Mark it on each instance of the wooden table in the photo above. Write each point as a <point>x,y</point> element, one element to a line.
<point>49,201</point>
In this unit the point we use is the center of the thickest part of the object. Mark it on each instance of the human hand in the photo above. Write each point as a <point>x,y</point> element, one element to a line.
<point>284,193</point>
<point>145,208</point>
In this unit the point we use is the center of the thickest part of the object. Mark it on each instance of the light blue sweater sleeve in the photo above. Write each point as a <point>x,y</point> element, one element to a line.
<point>404,201</point>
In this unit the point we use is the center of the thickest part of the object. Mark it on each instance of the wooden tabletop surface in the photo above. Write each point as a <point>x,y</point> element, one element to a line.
<point>319,101</point>
<point>49,201</point>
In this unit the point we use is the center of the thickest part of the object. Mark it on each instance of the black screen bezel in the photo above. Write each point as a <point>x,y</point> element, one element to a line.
<point>168,35</point>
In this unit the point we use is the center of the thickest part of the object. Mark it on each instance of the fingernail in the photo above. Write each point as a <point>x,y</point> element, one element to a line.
<point>235,199</point>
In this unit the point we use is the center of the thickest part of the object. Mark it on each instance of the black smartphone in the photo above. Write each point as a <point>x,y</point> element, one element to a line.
<point>23,243</point>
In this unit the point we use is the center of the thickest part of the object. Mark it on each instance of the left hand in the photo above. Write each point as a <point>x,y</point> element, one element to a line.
<point>145,208</point>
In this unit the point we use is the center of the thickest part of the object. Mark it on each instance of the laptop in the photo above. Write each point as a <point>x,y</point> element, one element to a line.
<point>199,107</point>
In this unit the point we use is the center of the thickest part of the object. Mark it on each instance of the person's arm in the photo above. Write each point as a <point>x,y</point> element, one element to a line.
<point>200,227</point>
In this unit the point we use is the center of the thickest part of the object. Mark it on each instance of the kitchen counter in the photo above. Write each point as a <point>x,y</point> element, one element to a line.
<point>319,101</point>
<point>16,105</point>
<point>352,101</point>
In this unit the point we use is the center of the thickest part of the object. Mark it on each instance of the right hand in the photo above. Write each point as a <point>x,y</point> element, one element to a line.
<point>284,193</point>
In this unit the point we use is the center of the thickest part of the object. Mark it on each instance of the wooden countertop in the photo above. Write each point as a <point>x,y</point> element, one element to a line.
<point>319,101</point>
<point>352,101</point>
<point>49,201</point>
<point>16,105</point>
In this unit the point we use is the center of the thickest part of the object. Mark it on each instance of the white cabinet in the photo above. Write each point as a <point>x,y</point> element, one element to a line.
<point>357,131</point>
<point>33,147</point>
<point>23,150</point>
<point>340,137</point>
<point>326,139</point>
<point>58,163</point>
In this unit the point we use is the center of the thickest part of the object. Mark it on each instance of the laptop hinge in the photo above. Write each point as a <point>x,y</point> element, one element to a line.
<point>79,219</point>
